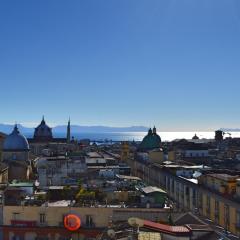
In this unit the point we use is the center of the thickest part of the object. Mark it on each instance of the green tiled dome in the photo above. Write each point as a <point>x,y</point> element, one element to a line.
<point>151,141</point>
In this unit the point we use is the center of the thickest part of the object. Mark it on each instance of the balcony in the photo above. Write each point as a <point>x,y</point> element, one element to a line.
<point>22,223</point>
<point>92,225</point>
<point>42,224</point>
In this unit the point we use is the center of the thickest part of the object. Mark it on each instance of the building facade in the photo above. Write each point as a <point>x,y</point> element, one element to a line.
<point>46,222</point>
<point>220,203</point>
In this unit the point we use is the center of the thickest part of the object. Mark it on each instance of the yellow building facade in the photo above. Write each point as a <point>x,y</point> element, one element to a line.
<point>203,198</point>
<point>156,156</point>
<point>31,222</point>
<point>172,156</point>
<point>125,151</point>
<point>222,183</point>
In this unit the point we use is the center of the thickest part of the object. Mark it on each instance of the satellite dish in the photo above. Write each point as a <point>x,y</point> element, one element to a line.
<point>135,222</point>
<point>139,222</point>
<point>111,233</point>
<point>132,221</point>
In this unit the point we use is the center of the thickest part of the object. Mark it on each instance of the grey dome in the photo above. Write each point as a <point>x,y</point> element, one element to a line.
<point>15,141</point>
<point>43,131</point>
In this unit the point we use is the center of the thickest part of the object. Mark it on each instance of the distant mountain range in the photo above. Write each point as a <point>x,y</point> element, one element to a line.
<point>230,129</point>
<point>7,128</point>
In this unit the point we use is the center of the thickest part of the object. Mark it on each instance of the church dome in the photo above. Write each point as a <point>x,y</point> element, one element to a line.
<point>43,131</point>
<point>151,140</point>
<point>195,137</point>
<point>15,141</point>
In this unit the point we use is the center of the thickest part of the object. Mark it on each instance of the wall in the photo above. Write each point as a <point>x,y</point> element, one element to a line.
<point>156,156</point>
<point>196,153</point>
<point>58,172</point>
<point>54,215</point>
<point>169,237</point>
<point>171,156</point>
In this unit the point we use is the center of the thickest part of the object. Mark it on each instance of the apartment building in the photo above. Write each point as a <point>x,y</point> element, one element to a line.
<point>214,196</point>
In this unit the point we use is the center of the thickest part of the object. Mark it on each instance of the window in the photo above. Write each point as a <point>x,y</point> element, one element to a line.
<point>165,182</point>
<point>181,191</point>
<point>49,181</point>
<point>200,200</point>
<point>226,216</point>
<point>173,186</point>
<point>89,221</point>
<point>168,184</point>
<point>16,216</point>
<point>42,217</point>
<point>238,220</point>
<point>194,199</point>
<point>208,205</point>
<point>216,211</point>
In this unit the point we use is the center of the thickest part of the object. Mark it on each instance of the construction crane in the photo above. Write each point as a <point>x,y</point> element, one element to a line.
<point>229,134</point>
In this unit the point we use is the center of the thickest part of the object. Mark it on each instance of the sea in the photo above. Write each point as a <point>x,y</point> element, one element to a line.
<point>138,136</point>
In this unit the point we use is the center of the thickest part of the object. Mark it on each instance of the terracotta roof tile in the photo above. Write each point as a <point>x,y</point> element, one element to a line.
<point>166,228</point>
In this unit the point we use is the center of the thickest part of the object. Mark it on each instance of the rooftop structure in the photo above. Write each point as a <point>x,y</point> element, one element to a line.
<point>43,132</point>
<point>15,141</point>
<point>131,178</point>
<point>176,230</point>
<point>151,189</point>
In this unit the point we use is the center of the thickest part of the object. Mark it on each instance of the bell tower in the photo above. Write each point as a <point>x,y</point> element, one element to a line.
<point>69,131</point>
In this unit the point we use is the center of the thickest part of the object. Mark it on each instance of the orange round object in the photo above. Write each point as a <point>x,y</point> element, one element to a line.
<point>72,222</point>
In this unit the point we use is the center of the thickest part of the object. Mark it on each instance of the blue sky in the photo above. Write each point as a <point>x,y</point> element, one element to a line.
<point>172,63</point>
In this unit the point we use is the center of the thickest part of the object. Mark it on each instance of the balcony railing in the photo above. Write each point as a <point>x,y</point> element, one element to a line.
<point>89,225</point>
<point>22,223</point>
<point>42,224</point>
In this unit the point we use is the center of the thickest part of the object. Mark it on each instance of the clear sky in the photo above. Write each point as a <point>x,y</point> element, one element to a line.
<point>172,63</point>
